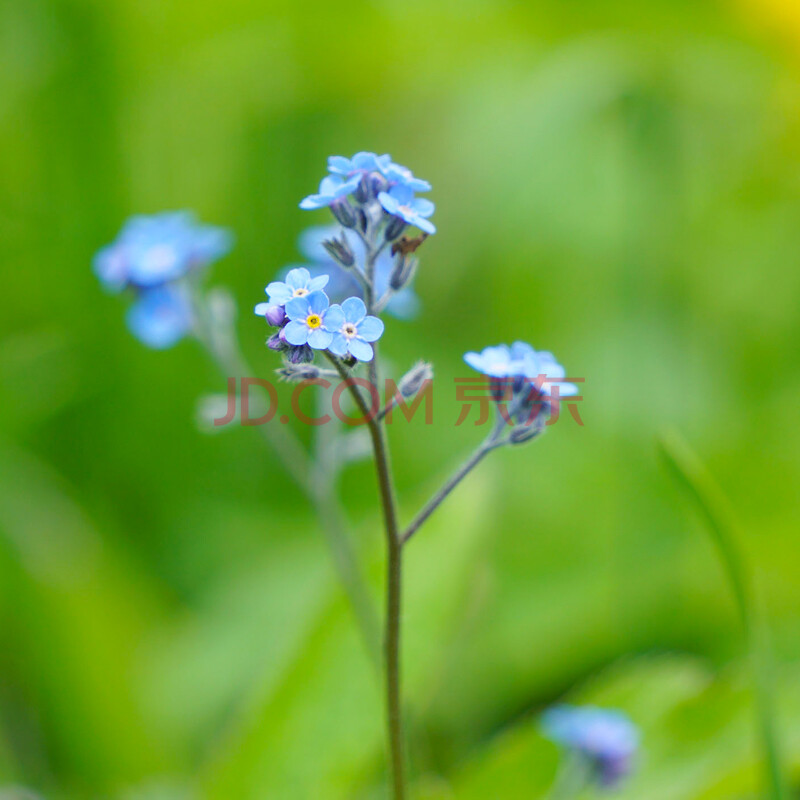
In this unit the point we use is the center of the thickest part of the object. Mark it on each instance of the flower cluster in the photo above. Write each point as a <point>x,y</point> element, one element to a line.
<point>606,740</point>
<point>374,183</point>
<point>155,256</point>
<point>532,380</point>
<point>307,321</point>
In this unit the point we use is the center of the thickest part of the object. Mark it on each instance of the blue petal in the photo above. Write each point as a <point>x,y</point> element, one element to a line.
<point>402,194</point>
<point>338,345</point>
<point>423,224</point>
<point>279,293</point>
<point>160,318</point>
<point>334,318</point>
<point>354,309</point>
<point>388,202</point>
<point>319,338</point>
<point>317,283</point>
<point>318,302</point>
<point>261,308</point>
<point>298,308</point>
<point>423,207</point>
<point>314,201</point>
<point>298,278</point>
<point>339,164</point>
<point>348,187</point>
<point>296,332</point>
<point>361,350</point>
<point>370,329</point>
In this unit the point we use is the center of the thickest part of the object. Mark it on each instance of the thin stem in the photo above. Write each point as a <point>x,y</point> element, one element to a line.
<point>393,581</point>
<point>716,512</point>
<point>490,443</point>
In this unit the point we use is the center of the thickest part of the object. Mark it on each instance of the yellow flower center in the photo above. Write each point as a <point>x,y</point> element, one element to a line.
<point>300,292</point>
<point>313,320</point>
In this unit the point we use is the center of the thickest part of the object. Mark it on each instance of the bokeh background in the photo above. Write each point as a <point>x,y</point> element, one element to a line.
<point>617,182</point>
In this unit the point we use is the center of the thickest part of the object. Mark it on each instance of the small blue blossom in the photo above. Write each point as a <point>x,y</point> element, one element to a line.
<point>153,250</point>
<point>520,360</point>
<point>400,202</point>
<point>398,175</point>
<point>331,189</point>
<point>608,740</point>
<point>352,329</point>
<point>403,304</point>
<point>298,283</point>
<point>358,164</point>
<point>307,317</point>
<point>160,317</point>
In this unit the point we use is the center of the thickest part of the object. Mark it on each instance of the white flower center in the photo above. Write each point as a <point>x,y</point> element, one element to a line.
<point>301,292</point>
<point>349,330</point>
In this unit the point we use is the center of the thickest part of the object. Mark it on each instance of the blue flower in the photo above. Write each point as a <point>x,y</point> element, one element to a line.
<point>352,329</point>
<point>331,189</point>
<point>403,305</point>
<point>358,164</point>
<point>160,317</point>
<point>520,360</point>
<point>153,250</point>
<point>398,175</point>
<point>608,740</point>
<point>307,317</point>
<point>298,283</point>
<point>400,202</point>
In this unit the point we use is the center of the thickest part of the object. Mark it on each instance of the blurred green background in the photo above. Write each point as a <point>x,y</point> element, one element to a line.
<point>617,182</point>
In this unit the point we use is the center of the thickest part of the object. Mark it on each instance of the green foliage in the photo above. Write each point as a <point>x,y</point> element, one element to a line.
<point>616,182</point>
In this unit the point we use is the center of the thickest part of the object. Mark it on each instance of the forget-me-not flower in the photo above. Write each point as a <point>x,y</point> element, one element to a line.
<point>400,202</point>
<point>360,163</point>
<point>153,250</point>
<point>608,740</point>
<point>353,329</point>
<point>307,321</point>
<point>331,189</point>
<point>297,283</point>
<point>398,175</point>
<point>160,317</point>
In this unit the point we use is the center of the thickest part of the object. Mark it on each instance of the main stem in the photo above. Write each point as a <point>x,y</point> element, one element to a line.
<point>394,576</point>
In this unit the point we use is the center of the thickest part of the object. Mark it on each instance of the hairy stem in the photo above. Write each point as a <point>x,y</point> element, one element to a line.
<point>393,579</point>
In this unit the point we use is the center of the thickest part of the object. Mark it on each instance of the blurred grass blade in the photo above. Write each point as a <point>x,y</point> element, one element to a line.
<point>714,508</point>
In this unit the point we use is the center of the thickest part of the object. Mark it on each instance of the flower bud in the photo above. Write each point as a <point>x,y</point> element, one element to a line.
<point>378,184</point>
<point>295,373</point>
<point>394,228</point>
<point>339,250</point>
<point>415,378</point>
<point>524,433</point>
<point>275,316</point>
<point>277,342</point>
<point>362,192</point>
<point>344,213</point>
<point>301,354</point>
<point>405,267</point>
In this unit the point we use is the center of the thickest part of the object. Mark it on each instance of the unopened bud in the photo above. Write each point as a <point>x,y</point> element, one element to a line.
<point>524,433</point>
<point>378,184</point>
<point>301,354</point>
<point>275,316</point>
<point>362,192</point>
<point>345,213</point>
<point>339,250</point>
<point>405,267</point>
<point>276,342</point>
<point>295,373</point>
<point>415,378</point>
<point>394,228</point>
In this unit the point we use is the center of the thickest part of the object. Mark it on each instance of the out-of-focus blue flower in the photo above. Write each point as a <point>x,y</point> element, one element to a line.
<point>331,189</point>
<point>607,739</point>
<point>520,360</point>
<point>160,317</point>
<point>400,202</point>
<point>298,283</point>
<point>307,321</point>
<point>352,329</point>
<point>152,250</point>
<point>398,175</point>
<point>403,305</point>
<point>358,164</point>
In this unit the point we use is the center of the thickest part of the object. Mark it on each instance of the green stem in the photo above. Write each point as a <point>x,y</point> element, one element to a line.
<point>393,581</point>
<point>715,510</point>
